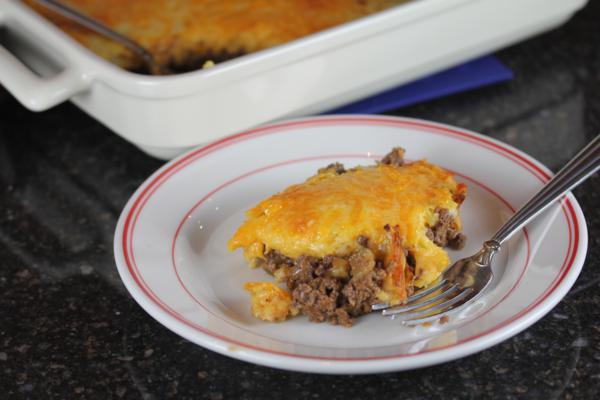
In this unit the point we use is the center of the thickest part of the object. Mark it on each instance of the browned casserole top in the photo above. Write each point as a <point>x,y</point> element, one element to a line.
<point>183,34</point>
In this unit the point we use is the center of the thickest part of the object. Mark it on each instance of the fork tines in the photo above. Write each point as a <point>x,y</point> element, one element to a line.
<point>424,306</point>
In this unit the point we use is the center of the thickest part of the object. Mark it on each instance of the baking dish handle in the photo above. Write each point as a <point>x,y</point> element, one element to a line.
<point>36,92</point>
<point>33,91</point>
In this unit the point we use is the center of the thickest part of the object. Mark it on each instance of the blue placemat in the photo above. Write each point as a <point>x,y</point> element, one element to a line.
<point>476,73</point>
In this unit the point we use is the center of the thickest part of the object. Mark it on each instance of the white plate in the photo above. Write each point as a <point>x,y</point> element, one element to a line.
<point>170,244</point>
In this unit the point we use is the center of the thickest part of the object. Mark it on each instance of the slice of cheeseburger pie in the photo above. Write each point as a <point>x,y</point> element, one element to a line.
<point>346,239</point>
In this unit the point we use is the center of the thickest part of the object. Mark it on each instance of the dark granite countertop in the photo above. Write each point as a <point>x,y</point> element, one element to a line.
<point>69,329</point>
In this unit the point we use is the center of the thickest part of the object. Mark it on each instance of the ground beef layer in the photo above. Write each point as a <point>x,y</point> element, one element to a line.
<point>330,289</point>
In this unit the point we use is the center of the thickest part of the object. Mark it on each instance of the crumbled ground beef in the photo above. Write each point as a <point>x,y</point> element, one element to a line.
<point>305,269</point>
<point>363,240</point>
<point>459,197</point>
<point>337,167</point>
<point>274,260</point>
<point>394,157</point>
<point>458,241</point>
<point>324,298</point>
<point>444,232</point>
<point>318,299</point>
<point>360,295</point>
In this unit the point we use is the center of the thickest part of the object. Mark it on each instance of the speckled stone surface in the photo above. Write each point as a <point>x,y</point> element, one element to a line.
<point>70,330</point>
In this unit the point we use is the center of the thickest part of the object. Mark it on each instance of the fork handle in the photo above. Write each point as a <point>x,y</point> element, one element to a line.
<point>584,164</point>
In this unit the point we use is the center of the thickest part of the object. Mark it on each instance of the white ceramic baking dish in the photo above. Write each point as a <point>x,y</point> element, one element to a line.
<point>166,115</point>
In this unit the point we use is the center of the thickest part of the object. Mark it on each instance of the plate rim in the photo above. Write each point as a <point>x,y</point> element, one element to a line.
<point>247,352</point>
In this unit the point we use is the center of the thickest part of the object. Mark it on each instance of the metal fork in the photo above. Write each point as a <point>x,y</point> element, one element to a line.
<point>467,278</point>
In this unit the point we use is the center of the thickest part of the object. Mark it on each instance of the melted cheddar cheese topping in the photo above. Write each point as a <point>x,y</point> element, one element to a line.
<point>327,213</point>
<point>180,32</point>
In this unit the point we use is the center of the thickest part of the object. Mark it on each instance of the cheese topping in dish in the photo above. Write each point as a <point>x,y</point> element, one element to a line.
<point>367,235</point>
<point>183,34</point>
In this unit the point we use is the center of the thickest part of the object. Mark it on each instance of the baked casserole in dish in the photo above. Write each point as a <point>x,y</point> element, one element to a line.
<point>184,35</point>
<point>344,240</point>
<point>43,65</point>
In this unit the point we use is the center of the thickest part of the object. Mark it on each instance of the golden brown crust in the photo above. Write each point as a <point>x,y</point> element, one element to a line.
<point>269,302</point>
<point>184,33</point>
<point>393,206</point>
